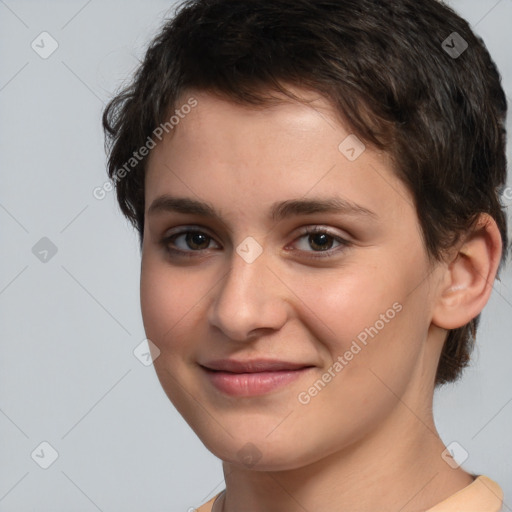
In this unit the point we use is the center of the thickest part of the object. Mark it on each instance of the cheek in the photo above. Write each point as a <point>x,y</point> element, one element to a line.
<point>170,315</point>
<point>166,299</point>
<point>369,318</point>
<point>345,302</point>
<point>155,303</point>
<point>371,352</point>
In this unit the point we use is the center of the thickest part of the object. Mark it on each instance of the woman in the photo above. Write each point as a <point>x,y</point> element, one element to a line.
<point>315,185</point>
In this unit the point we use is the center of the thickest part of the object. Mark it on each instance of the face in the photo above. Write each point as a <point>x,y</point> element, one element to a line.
<point>284,281</point>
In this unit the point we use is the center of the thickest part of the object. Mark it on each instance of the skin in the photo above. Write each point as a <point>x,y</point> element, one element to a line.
<point>367,441</point>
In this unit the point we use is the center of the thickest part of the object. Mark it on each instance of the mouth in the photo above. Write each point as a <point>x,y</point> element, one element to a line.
<point>254,377</point>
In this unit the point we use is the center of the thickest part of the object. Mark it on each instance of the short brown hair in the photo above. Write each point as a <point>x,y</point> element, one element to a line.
<point>385,68</point>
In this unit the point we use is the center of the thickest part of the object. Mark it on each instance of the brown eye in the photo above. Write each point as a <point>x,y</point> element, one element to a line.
<point>187,242</point>
<point>197,240</point>
<point>320,243</point>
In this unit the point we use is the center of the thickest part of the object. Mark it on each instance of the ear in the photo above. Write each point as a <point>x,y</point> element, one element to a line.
<point>469,277</point>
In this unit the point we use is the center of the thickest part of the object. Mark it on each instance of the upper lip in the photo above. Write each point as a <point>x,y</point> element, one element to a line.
<point>252,366</point>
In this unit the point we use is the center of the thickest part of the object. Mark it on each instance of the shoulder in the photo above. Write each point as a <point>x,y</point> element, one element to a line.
<point>207,507</point>
<point>482,495</point>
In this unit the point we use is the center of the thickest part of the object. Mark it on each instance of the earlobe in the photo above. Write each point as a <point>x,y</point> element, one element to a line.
<point>469,277</point>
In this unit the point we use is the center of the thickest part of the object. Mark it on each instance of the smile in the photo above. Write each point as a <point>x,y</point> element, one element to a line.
<point>252,378</point>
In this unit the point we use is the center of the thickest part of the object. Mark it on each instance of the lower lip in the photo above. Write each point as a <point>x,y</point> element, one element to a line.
<point>252,384</point>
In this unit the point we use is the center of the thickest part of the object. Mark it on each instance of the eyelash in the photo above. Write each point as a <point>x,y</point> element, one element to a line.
<point>166,241</point>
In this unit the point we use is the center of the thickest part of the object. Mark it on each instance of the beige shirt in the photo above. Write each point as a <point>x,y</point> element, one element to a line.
<point>482,495</point>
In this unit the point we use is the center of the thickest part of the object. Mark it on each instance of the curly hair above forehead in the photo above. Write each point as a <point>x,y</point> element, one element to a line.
<point>408,77</point>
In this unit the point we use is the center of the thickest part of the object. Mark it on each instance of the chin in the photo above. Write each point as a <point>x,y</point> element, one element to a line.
<point>258,456</point>
<point>256,449</point>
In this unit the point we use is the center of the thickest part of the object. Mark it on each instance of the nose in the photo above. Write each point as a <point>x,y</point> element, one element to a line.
<point>250,300</point>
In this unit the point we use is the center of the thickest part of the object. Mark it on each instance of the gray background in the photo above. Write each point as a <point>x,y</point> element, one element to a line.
<point>69,325</point>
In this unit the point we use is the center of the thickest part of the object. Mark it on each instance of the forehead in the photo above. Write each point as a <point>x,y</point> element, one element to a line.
<point>250,156</point>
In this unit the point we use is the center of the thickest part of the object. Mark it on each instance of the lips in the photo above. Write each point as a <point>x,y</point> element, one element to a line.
<point>253,365</point>
<point>253,377</point>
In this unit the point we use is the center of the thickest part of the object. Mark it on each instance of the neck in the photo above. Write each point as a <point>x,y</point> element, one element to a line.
<point>390,469</point>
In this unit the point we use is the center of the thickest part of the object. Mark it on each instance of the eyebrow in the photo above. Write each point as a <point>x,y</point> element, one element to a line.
<point>278,211</point>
